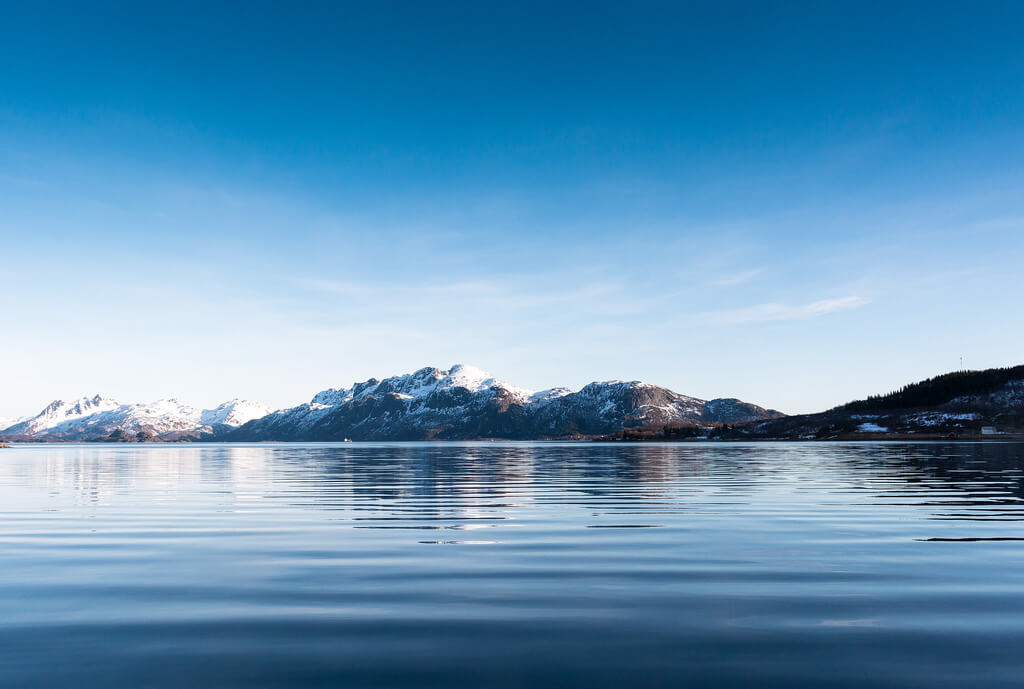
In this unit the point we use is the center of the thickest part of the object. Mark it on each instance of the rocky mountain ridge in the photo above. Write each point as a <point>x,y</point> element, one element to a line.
<point>464,403</point>
<point>460,403</point>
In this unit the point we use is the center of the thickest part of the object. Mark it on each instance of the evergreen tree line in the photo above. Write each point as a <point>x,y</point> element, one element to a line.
<point>940,389</point>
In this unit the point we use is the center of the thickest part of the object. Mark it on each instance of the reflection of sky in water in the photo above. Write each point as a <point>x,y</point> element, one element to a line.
<point>566,562</point>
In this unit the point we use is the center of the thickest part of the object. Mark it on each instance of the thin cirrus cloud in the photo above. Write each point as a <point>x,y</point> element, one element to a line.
<point>514,296</point>
<point>785,312</point>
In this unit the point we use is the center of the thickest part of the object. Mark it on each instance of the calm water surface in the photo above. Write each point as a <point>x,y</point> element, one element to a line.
<point>492,565</point>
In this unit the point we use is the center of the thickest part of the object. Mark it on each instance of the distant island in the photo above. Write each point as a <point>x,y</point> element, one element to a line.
<point>466,403</point>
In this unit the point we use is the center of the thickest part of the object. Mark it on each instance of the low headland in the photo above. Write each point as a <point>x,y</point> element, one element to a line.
<point>963,405</point>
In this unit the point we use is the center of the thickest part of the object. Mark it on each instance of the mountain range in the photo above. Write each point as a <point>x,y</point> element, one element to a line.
<point>98,418</point>
<point>459,403</point>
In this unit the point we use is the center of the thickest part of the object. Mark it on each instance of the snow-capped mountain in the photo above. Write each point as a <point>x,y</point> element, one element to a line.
<point>93,418</point>
<point>233,413</point>
<point>59,412</point>
<point>464,402</point>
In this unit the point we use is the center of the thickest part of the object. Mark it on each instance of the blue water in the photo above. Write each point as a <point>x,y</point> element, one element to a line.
<point>500,565</point>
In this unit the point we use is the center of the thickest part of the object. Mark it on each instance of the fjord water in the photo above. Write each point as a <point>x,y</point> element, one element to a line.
<point>525,564</point>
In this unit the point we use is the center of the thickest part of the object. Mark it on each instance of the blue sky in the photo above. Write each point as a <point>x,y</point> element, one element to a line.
<point>796,204</point>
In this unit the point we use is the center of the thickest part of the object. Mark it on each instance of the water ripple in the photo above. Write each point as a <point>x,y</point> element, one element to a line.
<point>786,565</point>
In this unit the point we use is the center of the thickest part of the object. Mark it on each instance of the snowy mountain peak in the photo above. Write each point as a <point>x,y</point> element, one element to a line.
<point>59,411</point>
<point>329,396</point>
<point>97,417</point>
<point>76,406</point>
<point>234,413</point>
<point>477,380</point>
<point>418,385</point>
<point>469,377</point>
<point>545,396</point>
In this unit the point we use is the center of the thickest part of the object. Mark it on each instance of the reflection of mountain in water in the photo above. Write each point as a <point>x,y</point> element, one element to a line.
<point>391,485</point>
<point>402,481</point>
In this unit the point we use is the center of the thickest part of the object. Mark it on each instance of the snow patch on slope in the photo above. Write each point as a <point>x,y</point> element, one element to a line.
<point>544,396</point>
<point>937,418</point>
<point>234,413</point>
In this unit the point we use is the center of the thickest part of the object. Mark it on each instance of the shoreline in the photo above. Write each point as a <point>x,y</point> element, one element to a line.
<point>860,438</point>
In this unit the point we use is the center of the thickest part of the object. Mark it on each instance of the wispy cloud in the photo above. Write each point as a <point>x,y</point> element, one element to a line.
<point>785,312</point>
<point>516,294</point>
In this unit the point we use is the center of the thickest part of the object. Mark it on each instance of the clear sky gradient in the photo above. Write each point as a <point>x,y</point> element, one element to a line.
<point>795,204</point>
